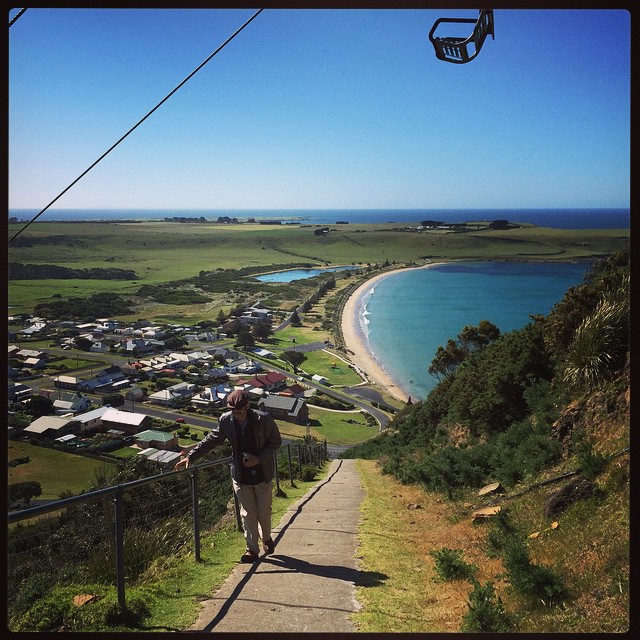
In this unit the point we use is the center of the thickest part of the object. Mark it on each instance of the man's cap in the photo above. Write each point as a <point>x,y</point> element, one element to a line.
<point>237,399</point>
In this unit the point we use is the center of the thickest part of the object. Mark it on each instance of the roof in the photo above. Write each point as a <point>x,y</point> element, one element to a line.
<point>123,417</point>
<point>279,402</point>
<point>88,416</point>
<point>40,425</point>
<point>69,436</point>
<point>151,434</point>
<point>164,456</point>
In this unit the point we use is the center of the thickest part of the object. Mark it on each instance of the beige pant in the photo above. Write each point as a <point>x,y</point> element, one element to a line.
<point>255,510</point>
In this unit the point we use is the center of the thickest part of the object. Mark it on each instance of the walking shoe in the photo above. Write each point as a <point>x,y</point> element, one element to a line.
<point>249,557</point>
<point>268,546</point>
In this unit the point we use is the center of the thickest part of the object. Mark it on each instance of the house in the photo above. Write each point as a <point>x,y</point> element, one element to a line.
<point>136,394</point>
<point>124,420</point>
<point>17,392</point>
<point>156,439</point>
<point>215,374</point>
<point>242,365</point>
<point>271,381</point>
<point>173,394</point>
<point>75,404</point>
<point>224,353</point>
<point>24,354</point>
<point>89,420</point>
<point>294,390</point>
<point>285,408</point>
<point>164,397</point>
<point>35,363</point>
<point>165,458</point>
<point>105,381</point>
<point>263,353</point>
<point>138,345</point>
<point>212,396</point>
<point>67,382</point>
<point>50,427</point>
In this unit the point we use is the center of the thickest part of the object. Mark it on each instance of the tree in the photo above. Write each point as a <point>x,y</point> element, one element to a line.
<point>262,329</point>
<point>245,339</point>
<point>113,399</point>
<point>24,491</point>
<point>39,406</point>
<point>175,342</point>
<point>295,319</point>
<point>84,344</point>
<point>295,358</point>
<point>469,340</point>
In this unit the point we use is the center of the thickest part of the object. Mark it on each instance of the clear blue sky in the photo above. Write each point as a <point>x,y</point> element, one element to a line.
<point>318,109</point>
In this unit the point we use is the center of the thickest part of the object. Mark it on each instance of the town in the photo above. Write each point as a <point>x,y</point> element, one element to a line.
<point>147,397</point>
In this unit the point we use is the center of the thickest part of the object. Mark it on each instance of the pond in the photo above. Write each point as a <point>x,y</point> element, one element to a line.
<point>298,274</point>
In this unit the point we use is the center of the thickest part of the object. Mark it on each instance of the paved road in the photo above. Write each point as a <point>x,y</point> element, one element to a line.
<point>308,585</point>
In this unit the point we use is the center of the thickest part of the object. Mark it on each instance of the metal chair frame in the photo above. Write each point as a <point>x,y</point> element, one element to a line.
<point>454,49</point>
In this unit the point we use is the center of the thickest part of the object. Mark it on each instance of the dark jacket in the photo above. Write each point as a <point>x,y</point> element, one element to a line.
<point>267,437</point>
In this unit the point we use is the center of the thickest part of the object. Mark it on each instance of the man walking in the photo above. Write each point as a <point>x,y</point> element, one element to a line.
<point>254,438</point>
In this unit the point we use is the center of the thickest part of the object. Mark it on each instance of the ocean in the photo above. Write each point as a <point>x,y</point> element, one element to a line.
<point>406,316</point>
<point>553,218</point>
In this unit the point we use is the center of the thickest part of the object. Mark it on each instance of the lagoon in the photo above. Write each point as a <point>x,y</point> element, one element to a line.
<point>298,274</point>
<point>408,314</point>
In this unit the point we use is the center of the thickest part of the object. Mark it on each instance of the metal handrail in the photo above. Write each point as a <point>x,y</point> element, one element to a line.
<point>306,455</point>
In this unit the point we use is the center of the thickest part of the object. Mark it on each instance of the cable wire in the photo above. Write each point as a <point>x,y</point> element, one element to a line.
<point>17,16</point>
<point>106,153</point>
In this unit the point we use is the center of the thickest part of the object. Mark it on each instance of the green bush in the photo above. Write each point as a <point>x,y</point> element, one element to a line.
<point>486,613</point>
<point>534,582</point>
<point>450,564</point>
<point>309,473</point>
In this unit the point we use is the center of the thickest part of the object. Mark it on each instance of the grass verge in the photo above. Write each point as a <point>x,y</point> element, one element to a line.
<point>400,525</point>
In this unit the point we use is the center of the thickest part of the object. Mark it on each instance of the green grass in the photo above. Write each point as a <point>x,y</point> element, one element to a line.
<point>46,467</point>
<point>161,252</point>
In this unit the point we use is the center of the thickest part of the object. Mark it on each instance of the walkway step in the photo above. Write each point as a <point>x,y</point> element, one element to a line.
<point>308,584</point>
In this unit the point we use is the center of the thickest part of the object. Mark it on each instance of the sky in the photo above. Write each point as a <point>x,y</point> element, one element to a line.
<point>318,109</point>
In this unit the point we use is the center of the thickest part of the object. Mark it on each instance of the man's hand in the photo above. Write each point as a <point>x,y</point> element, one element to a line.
<point>249,460</point>
<point>183,462</point>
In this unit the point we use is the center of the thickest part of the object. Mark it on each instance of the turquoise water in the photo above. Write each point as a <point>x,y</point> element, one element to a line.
<point>297,274</point>
<point>406,316</point>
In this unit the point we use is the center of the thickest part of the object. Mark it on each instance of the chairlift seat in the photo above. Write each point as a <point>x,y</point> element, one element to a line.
<point>455,49</point>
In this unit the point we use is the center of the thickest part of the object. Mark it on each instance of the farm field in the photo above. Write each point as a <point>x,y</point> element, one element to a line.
<point>160,253</point>
<point>45,467</point>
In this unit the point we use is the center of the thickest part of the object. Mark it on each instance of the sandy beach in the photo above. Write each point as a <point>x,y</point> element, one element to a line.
<point>355,340</point>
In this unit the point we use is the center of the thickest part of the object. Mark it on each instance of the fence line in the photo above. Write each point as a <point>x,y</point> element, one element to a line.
<point>95,509</point>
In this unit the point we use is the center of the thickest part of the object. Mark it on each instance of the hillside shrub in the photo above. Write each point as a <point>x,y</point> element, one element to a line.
<point>536,583</point>
<point>450,565</point>
<point>486,612</point>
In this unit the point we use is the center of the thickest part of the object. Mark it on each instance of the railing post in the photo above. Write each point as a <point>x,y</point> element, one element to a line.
<point>290,465</point>
<point>196,514</point>
<point>119,549</point>
<point>279,491</point>
<point>299,461</point>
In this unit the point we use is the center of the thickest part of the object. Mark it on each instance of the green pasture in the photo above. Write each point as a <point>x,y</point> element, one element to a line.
<point>160,252</point>
<point>331,426</point>
<point>45,467</point>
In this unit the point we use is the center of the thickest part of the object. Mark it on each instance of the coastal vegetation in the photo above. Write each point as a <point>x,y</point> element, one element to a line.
<point>217,261</point>
<point>543,414</point>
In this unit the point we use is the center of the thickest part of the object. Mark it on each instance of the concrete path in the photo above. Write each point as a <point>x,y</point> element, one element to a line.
<point>308,584</point>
